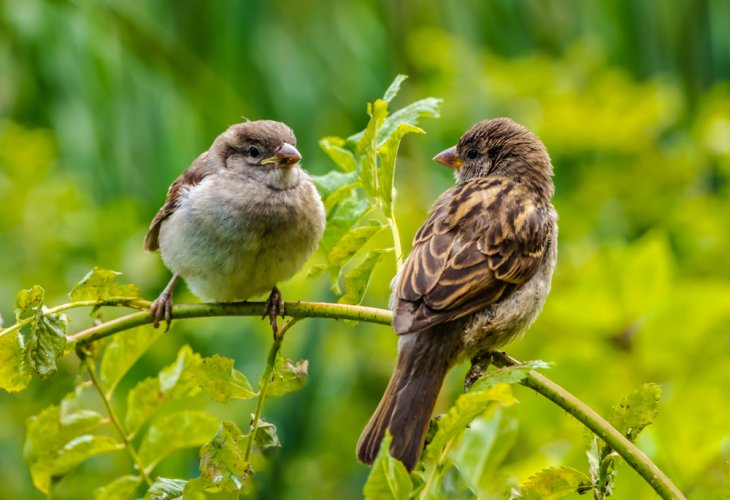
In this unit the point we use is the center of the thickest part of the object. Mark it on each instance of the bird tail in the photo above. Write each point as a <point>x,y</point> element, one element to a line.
<point>405,408</point>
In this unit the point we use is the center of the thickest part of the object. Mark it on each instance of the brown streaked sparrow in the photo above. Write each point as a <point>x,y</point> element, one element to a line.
<point>477,276</point>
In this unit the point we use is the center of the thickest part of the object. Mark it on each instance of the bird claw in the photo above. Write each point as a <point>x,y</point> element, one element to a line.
<point>274,307</point>
<point>479,365</point>
<point>161,308</point>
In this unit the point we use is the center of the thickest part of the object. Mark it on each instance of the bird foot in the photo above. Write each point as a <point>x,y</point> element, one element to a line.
<point>274,307</point>
<point>479,365</point>
<point>161,307</point>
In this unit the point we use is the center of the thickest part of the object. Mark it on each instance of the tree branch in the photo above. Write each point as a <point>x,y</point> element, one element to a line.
<point>183,311</point>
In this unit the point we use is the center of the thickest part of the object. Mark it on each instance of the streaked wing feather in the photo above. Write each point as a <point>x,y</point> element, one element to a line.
<point>482,239</point>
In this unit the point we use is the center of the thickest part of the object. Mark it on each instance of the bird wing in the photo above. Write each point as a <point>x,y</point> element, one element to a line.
<point>198,170</point>
<point>483,238</point>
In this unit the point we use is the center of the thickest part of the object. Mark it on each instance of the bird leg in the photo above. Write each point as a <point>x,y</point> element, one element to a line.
<point>479,365</point>
<point>161,307</point>
<point>274,307</point>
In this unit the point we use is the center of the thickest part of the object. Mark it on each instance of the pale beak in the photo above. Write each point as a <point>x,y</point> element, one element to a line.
<point>449,158</point>
<point>286,156</point>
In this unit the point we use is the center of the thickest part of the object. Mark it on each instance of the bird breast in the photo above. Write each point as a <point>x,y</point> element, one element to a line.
<point>232,237</point>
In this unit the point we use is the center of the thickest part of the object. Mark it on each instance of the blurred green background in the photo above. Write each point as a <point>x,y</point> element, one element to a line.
<point>103,104</point>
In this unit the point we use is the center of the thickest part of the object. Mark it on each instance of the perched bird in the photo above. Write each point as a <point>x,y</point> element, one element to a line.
<point>477,277</point>
<point>243,217</point>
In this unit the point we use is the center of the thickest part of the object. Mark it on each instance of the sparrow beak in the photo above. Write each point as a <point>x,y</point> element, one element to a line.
<point>286,156</point>
<point>449,158</point>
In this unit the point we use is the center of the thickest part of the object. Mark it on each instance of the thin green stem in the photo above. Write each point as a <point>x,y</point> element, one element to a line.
<point>599,426</point>
<point>264,381</point>
<point>115,420</point>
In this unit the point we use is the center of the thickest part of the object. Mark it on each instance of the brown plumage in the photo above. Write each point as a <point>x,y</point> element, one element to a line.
<point>477,276</point>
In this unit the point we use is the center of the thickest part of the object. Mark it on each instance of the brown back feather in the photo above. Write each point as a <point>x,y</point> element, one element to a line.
<point>501,238</point>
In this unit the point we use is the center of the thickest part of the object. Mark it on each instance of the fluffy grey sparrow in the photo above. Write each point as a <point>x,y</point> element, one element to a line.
<point>477,277</point>
<point>243,217</point>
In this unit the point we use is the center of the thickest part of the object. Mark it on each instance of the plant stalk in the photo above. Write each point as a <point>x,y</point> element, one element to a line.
<point>115,420</point>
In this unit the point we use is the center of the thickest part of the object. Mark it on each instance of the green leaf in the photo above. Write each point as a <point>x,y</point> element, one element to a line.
<point>467,407</point>
<point>332,181</point>
<point>14,373</point>
<point>555,483</point>
<point>195,489</point>
<point>377,111</point>
<point>508,375</point>
<point>287,377</point>
<point>484,446</point>
<point>394,88</point>
<point>46,432</point>
<point>177,379</point>
<point>388,153</point>
<point>350,244</point>
<point>221,381</point>
<point>123,351</point>
<point>411,114</point>
<point>175,382</point>
<point>637,410</point>
<point>165,489</point>
<point>222,461</point>
<point>122,488</point>
<point>46,342</point>
<point>341,194</point>
<point>101,284</point>
<point>357,279</point>
<point>29,300</point>
<point>341,219</point>
<point>174,431</point>
<point>266,436</point>
<point>388,477</point>
<point>335,148</point>
<point>52,466</point>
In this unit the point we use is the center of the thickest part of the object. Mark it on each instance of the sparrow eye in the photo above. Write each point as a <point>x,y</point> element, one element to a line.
<point>472,153</point>
<point>253,151</point>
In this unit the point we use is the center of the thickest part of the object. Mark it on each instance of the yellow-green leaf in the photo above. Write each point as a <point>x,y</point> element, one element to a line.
<point>122,488</point>
<point>174,382</point>
<point>509,375</point>
<point>388,153</point>
<point>46,342</point>
<point>101,284</point>
<point>555,483</point>
<point>357,279</point>
<point>350,244</point>
<point>165,489</point>
<point>29,300</point>
<point>123,351</point>
<point>14,373</point>
<point>636,411</point>
<point>287,377</point>
<point>388,478</point>
<point>336,150</point>
<point>222,461</point>
<point>220,381</point>
<point>468,406</point>
<point>174,431</point>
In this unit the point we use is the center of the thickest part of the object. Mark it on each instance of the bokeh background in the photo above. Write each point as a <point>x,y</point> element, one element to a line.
<point>104,103</point>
